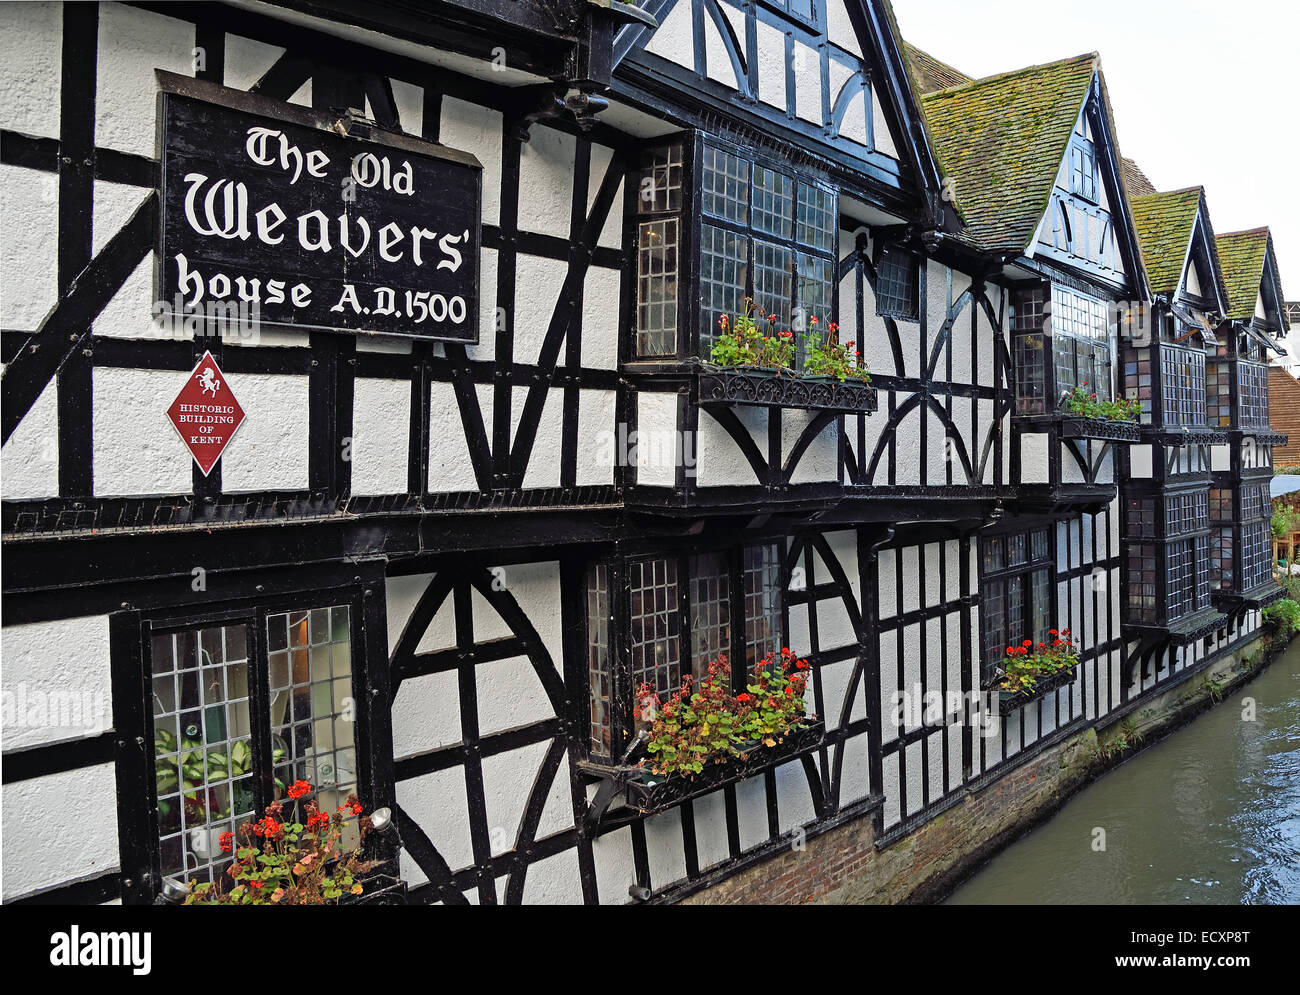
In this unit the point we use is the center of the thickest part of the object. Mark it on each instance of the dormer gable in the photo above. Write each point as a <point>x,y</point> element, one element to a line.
<point>1178,249</point>
<point>1250,276</point>
<point>828,72</point>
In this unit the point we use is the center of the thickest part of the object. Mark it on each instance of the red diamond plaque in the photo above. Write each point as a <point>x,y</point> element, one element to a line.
<point>206,413</point>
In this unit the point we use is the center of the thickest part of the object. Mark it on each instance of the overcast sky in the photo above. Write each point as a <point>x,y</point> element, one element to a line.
<point>1205,93</point>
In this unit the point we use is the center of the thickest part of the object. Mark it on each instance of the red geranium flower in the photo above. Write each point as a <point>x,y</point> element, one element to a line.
<point>298,789</point>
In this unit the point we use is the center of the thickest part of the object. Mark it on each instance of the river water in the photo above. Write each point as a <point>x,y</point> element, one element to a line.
<point>1208,816</point>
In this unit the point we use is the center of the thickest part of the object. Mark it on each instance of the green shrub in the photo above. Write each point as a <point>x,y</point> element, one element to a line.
<point>1284,616</point>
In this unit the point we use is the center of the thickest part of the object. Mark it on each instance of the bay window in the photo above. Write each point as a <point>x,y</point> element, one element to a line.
<point>1062,340</point>
<point>764,231</point>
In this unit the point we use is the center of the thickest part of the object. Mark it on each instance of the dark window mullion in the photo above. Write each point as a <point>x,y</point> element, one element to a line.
<point>259,681</point>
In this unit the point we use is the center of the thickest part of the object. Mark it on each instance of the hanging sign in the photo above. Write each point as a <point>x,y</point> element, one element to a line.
<point>206,414</point>
<point>286,216</point>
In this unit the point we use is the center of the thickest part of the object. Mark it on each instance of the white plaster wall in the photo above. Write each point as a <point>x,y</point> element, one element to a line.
<point>32,66</point>
<point>544,459</point>
<point>269,452</point>
<point>1033,458</point>
<point>381,434</point>
<point>438,804</point>
<point>771,52</point>
<point>597,430</point>
<point>29,210</point>
<point>807,82</point>
<point>247,61</point>
<point>449,463</point>
<point>426,714</point>
<point>820,461</point>
<point>29,461</point>
<point>716,60</point>
<point>57,681</point>
<point>137,451</point>
<point>546,182</point>
<point>132,44</point>
<point>657,414</point>
<point>58,829</point>
<point>672,41</point>
<point>477,130</point>
<point>537,289</point>
<point>600,308</point>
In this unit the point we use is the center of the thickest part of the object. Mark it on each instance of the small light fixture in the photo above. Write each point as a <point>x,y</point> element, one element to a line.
<point>173,892</point>
<point>381,820</point>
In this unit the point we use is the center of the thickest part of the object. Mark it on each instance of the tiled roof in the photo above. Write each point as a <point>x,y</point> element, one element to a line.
<point>1000,143</point>
<point>1164,223</point>
<point>1242,255</point>
<point>1135,179</point>
<point>929,74</point>
<point>1284,414</point>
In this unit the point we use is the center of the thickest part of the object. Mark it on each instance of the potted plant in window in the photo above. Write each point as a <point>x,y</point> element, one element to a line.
<point>826,358</point>
<point>1082,404</point>
<point>1031,670</point>
<point>281,861</point>
<point>704,731</point>
<point>743,345</point>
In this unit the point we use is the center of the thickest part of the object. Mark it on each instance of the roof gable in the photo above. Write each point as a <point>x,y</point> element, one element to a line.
<point>1250,274</point>
<point>1175,234</point>
<point>1000,142</point>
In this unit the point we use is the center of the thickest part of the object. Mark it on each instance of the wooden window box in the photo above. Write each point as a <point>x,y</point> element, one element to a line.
<point>1099,428</point>
<point>1010,701</point>
<point>765,388</point>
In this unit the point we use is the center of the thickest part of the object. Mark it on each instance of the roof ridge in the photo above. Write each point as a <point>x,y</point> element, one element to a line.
<point>975,83</point>
<point>1245,231</point>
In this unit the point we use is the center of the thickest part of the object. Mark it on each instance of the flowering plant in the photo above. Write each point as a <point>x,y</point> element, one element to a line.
<point>826,356</point>
<point>291,863</point>
<point>1080,402</point>
<point>703,722</point>
<point>742,342</point>
<point>1025,665</point>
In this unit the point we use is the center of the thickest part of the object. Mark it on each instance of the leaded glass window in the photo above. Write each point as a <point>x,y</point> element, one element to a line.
<point>1015,592</point>
<point>897,285</point>
<point>658,259</point>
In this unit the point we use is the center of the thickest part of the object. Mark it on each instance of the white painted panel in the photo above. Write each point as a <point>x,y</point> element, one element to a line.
<point>269,452</point>
<point>132,44</point>
<point>884,137</point>
<point>600,306</point>
<point>1140,461</point>
<point>510,694</point>
<point>449,463</point>
<point>1033,458</point>
<point>477,130</point>
<point>507,784</point>
<point>807,83</point>
<point>820,461</point>
<point>597,433</point>
<point>673,40</point>
<point>711,829</point>
<point>665,852</point>
<point>554,880</point>
<point>59,828</point>
<point>136,449</point>
<point>546,182</point>
<point>771,61</point>
<point>31,67</point>
<point>656,424</point>
<point>839,28</point>
<point>544,459</point>
<point>426,714</point>
<point>717,63</point>
<point>29,462</point>
<point>751,812</point>
<point>794,798</point>
<point>612,855</point>
<point>907,452</point>
<point>911,574</point>
<point>437,803</point>
<point>29,210</point>
<point>57,681</point>
<point>538,284</point>
<point>611,235</point>
<point>381,433</point>
<point>719,461</point>
<point>409,100</point>
<point>887,570</point>
<point>246,61</point>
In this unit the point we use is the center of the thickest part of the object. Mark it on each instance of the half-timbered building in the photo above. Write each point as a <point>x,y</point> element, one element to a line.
<point>447,541</point>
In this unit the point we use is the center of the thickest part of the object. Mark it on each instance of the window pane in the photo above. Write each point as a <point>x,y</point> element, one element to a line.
<point>598,662</point>
<point>203,765</point>
<point>655,625</point>
<point>896,285</point>
<point>657,246</point>
<point>762,602</point>
<point>710,611</point>
<point>817,216</point>
<point>773,282</point>
<point>724,186</point>
<point>661,181</point>
<point>722,280</point>
<point>773,202</point>
<point>312,711</point>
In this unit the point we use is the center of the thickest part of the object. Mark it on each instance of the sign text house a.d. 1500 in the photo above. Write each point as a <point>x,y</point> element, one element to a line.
<point>302,220</point>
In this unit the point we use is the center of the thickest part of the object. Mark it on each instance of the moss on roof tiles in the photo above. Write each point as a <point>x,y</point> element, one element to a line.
<point>1164,223</point>
<point>1001,141</point>
<point>1242,255</point>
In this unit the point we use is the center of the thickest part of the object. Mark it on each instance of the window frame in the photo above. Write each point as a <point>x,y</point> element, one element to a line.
<point>620,676</point>
<point>990,661</point>
<point>692,222</point>
<point>139,825</point>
